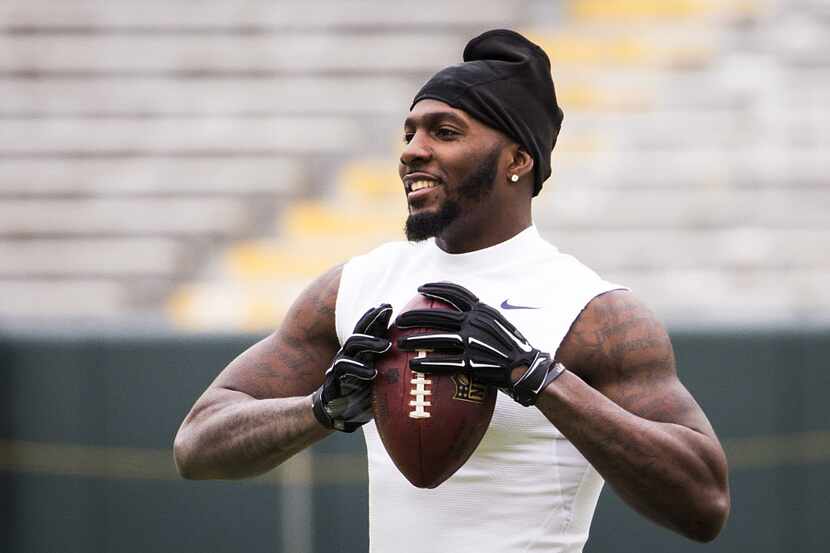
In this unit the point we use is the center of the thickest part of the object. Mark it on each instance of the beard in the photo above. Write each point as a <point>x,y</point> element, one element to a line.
<point>474,188</point>
<point>420,226</point>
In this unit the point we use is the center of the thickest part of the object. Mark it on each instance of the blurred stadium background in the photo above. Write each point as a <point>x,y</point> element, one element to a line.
<point>173,173</point>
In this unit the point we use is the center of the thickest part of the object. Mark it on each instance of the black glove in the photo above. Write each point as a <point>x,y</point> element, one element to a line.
<point>477,340</point>
<point>344,401</point>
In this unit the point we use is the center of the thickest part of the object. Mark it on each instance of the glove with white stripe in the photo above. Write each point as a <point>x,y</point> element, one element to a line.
<point>344,401</point>
<point>477,340</point>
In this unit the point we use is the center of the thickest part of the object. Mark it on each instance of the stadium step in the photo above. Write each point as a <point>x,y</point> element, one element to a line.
<point>626,49</point>
<point>626,11</point>
<point>206,217</point>
<point>705,206</point>
<point>245,97</point>
<point>171,136</point>
<point>132,177</point>
<point>104,257</point>
<point>199,54</point>
<point>62,298</point>
<point>317,219</point>
<point>232,305</point>
<point>291,15</point>
<point>298,256</point>
<point>746,249</point>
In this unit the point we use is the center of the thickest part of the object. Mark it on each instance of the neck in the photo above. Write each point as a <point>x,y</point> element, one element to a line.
<point>465,235</point>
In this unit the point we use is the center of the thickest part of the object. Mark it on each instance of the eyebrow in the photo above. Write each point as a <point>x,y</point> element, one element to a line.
<point>433,116</point>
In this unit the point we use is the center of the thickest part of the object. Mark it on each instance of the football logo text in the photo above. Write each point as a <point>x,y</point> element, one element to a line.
<point>467,389</point>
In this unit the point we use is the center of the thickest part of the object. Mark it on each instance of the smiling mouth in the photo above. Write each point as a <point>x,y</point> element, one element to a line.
<point>422,184</point>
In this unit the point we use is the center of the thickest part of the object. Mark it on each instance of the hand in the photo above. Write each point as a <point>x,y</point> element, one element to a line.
<point>344,401</point>
<point>477,340</point>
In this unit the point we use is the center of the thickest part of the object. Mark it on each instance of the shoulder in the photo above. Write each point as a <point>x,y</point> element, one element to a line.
<point>291,361</point>
<point>321,293</point>
<point>618,346</point>
<point>312,315</point>
<point>616,337</point>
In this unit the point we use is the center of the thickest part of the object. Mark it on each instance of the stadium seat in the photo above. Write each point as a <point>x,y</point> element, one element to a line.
<point>199,153</point>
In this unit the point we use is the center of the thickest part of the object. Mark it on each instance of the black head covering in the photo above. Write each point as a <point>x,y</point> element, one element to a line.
<point>505,83</point>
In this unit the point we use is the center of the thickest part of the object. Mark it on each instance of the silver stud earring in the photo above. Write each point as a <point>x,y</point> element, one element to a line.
<point>514,178</point>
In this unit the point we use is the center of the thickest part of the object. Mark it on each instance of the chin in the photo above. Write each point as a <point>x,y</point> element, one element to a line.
<point>424,223</point>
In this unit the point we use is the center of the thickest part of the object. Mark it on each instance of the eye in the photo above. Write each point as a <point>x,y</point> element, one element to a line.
<point>407,137</point>
<point>446,133</point>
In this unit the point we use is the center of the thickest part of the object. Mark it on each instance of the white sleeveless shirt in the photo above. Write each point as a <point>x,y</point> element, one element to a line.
<point>526,487</point>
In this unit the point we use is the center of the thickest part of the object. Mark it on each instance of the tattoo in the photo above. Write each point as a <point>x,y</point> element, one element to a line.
<point>292,360</point>
<point>619,348</point>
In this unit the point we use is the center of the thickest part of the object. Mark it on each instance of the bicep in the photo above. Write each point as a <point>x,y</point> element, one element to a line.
<point>618,346</point>
<point>291,361</point>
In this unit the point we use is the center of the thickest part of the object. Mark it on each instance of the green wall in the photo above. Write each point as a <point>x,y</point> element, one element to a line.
<point>87,423</point>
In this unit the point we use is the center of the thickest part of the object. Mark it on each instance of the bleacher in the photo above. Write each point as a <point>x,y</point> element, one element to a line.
<point>196,164</point>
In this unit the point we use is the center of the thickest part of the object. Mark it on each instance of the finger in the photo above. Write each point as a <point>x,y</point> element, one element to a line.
<point>499,332</point>
<point>431,342</point>
<point>351,383</point>
<point>364,344</point>
<point>430,318</point>
<point>486,349</point>
<point>438,364</point>
<point>379,326</point>
<point>345,366</point>
<point>454,294</point>
<point>375,321</point>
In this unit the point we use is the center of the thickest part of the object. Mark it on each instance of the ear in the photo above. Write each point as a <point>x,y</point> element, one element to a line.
<point>521,164</point>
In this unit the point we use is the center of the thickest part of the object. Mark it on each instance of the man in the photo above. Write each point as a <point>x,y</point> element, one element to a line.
<point>588,373</point>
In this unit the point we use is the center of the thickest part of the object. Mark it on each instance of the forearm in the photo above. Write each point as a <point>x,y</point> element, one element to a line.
<point>669,473</point>
<point>237,436</point>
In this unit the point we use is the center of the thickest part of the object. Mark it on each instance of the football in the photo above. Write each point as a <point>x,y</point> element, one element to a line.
<point>429,424</point>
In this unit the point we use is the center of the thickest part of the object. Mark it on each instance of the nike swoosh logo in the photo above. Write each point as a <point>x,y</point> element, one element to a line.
<point>506,305</point>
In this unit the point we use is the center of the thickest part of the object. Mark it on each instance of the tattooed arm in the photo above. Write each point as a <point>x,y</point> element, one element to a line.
<point>257,413</point>
<point>622,405</point>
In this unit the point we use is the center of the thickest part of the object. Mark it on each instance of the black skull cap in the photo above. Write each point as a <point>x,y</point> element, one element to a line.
<point>504,82</point>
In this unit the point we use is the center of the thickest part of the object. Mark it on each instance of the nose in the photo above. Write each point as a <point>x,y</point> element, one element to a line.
<point>416,151</point>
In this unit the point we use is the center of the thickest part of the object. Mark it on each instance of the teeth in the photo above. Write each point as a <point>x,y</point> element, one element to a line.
<point>418,185</point>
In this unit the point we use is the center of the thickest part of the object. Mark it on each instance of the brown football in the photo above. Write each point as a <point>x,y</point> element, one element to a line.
<point>429,424</point>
